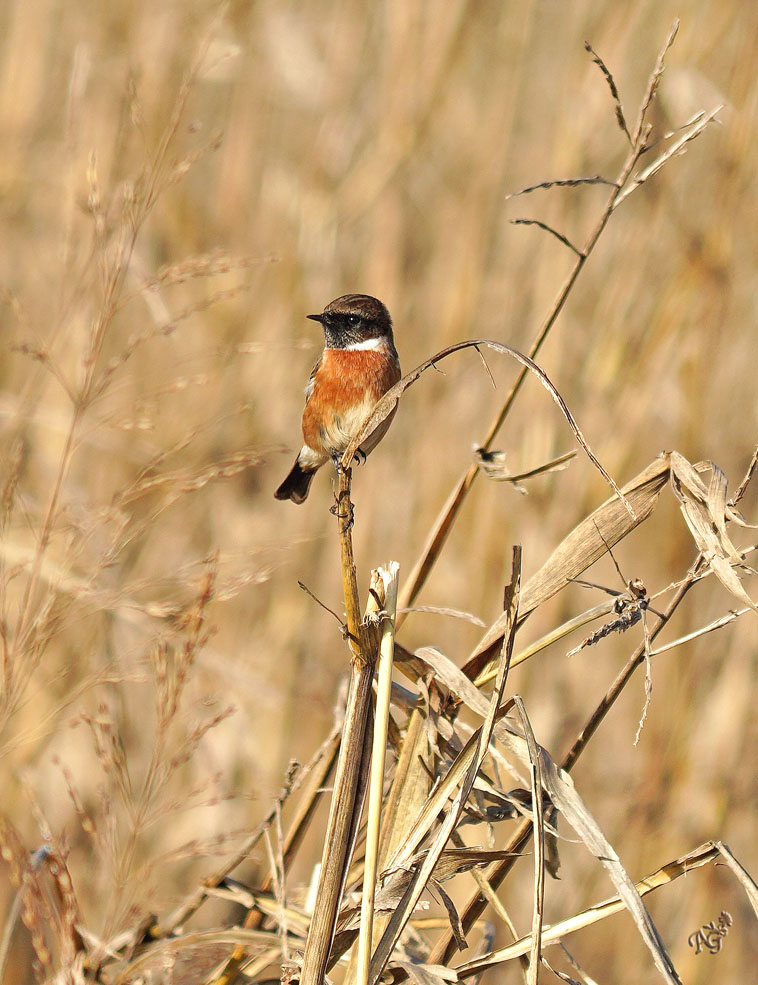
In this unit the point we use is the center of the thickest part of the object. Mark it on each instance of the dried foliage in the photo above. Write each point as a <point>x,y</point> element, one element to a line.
<point>160,665</point>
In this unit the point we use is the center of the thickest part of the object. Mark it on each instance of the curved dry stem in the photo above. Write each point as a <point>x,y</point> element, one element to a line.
<point>449,511</point>
<point>389,401</point>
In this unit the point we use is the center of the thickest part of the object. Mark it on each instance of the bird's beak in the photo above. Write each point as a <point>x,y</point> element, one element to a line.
<point>315,317</point>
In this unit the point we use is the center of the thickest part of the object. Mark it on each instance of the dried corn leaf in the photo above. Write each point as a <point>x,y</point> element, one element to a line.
<point>454,917</point>
<point>706,511</point>
<point>426,974</point>
<point>443,610</point>
<point>455,860</point>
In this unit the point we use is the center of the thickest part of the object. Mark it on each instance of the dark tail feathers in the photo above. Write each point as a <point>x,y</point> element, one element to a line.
<point>296,485</point>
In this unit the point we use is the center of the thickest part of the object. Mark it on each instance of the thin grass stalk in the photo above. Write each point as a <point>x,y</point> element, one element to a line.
<point>710,852</point>
<point>389,578</point>
<point>446,518</point>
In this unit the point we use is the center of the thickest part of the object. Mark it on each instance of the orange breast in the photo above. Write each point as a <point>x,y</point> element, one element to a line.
<point>346,386</point>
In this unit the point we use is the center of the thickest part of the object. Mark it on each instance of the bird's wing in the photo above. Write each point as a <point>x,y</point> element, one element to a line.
<point>312,379</point>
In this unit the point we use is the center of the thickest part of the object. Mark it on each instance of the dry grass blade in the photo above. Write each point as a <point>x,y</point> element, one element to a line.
<point>444,610</point>
<point>567,800</point>
<point>548,229</point>
<point>561,183</point>
<point>453,861</point>
<point>612,86</point>
<point>389,401</point>
<point>565,629</point>
<point>564,795</point>
<point>719,623</point>
<point>493,465</point>
<point>192,942</point>
<point>410,789</point>
<point>562,792</point>
<point>427,974</point>
<point>538,827</point>
<point>435,804</point>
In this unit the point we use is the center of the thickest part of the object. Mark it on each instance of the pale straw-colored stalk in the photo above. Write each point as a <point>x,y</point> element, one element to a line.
<point>387,578</point>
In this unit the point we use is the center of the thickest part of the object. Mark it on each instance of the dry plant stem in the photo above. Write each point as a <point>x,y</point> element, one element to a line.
<point>341,829</point>
<point>444,522</point>
<point>719,623</point>
<point>496,903</point>
<point>344,512</point>
<point>276,871</point>
<point>345,807</point>
<point>388,577</point>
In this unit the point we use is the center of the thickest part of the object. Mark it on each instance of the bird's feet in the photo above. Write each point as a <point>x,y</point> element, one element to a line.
<point>346,516</point>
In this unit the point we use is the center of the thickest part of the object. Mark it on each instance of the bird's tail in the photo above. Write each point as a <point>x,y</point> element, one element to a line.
<point>296,485</point>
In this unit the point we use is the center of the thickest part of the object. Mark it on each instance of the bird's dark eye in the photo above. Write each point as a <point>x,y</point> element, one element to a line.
<point>353,320</point>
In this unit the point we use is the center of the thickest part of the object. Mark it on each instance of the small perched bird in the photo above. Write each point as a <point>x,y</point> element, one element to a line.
<point>359,364</point>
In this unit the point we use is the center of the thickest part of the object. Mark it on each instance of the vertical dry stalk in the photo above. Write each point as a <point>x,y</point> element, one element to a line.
<point>351,767</point>
<point>384,579</point>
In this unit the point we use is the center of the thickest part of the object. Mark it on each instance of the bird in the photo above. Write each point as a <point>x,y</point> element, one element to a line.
<point>358,366</point>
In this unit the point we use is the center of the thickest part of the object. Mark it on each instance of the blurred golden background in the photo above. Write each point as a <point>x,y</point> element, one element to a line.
<point>323,149</point>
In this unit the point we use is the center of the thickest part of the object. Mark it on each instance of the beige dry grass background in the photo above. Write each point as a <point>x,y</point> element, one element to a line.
<point>323,149</point>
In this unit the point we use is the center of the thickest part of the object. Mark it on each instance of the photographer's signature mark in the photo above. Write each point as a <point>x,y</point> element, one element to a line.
<point>711,935</point>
